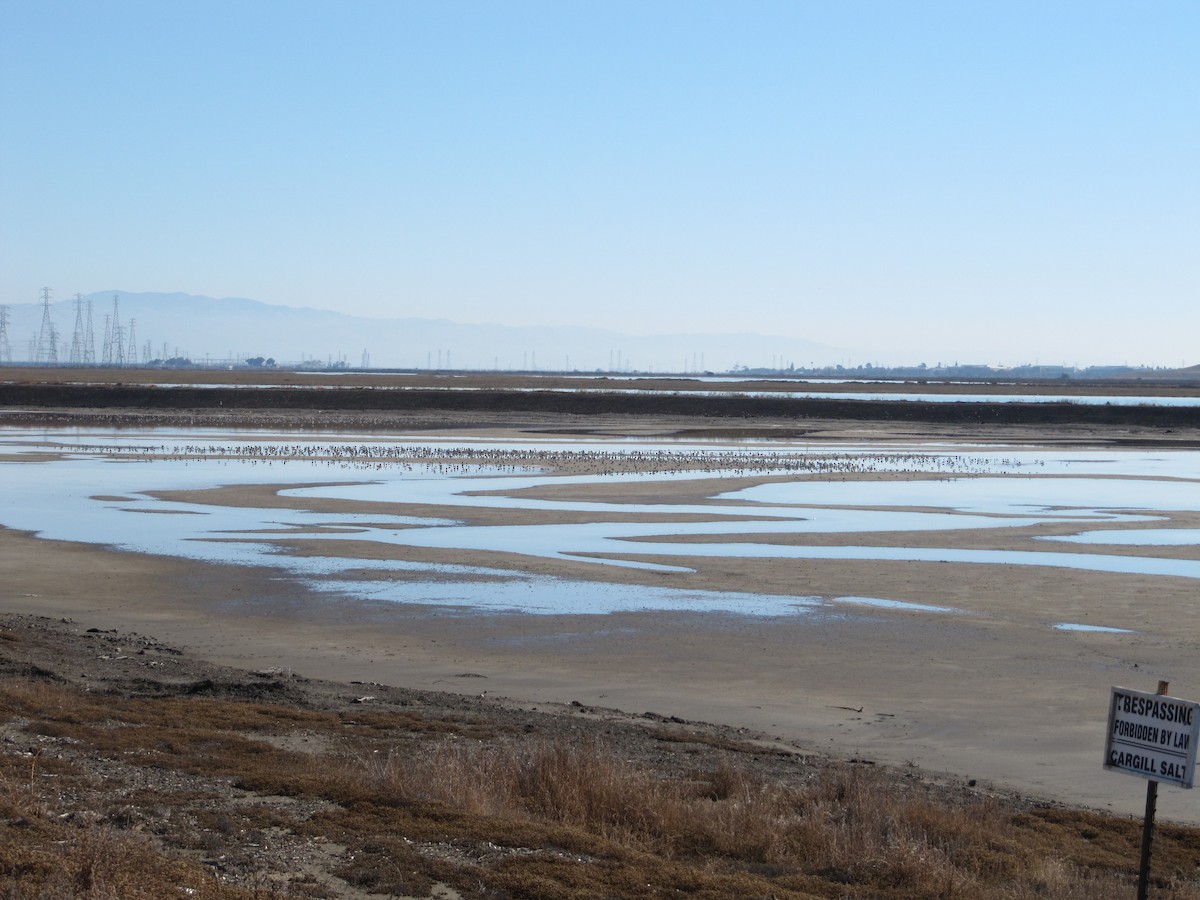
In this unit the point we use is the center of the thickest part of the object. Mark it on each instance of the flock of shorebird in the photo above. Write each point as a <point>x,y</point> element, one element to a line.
<point>454,460</point>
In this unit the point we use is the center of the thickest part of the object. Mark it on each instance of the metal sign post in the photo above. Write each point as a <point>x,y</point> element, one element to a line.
<point>1152,736</point>
<point>1143,889</point>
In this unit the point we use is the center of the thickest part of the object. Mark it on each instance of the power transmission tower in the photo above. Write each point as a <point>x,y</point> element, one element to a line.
<point>5,349</point>
<point>131,345</point>
<point>47,343</point>
<point>106,355</point>
<point>78,355</point>
<point>118,335</point>
<point>89,342</point>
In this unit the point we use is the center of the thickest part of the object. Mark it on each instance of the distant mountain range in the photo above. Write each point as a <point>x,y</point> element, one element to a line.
<point>231,329</point>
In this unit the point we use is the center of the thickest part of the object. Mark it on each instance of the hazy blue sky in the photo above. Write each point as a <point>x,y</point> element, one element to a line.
<point>999,182</point>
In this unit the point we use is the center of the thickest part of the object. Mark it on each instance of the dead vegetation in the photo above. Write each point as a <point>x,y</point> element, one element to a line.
<point>235,785</point>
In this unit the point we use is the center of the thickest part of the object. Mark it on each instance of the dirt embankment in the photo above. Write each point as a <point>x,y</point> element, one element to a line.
<point>97,397</point>
<point>132,769</point>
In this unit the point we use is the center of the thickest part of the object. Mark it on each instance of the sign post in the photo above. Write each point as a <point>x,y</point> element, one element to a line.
<point>1152,736</point>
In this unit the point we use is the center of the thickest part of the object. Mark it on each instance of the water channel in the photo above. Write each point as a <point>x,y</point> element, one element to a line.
<point>760,501</point>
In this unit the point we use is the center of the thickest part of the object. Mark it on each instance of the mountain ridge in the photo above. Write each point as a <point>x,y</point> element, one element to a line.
<point>205,329</point>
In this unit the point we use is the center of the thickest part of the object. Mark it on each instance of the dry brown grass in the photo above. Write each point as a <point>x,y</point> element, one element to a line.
<point>847,830</point>
<point>123,796</point>
<point>47,854</point>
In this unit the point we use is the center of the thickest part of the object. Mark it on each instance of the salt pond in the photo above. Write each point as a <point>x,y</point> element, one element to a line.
<point>99,487</point>
<point>1098,629</point>
<point>814,393</point>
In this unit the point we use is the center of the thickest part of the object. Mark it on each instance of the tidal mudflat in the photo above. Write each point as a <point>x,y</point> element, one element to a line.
<point>963,607</point>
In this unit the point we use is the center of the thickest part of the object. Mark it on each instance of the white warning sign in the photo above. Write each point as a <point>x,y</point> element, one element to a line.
<point>1152,736</point>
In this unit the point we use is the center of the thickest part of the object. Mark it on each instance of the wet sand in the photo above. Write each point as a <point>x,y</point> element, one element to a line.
<point>989,692</point>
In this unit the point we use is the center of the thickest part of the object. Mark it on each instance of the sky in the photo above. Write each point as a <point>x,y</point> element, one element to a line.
<point>994,182</point>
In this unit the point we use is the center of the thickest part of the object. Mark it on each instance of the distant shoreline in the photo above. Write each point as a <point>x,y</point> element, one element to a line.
<point>212,397</point>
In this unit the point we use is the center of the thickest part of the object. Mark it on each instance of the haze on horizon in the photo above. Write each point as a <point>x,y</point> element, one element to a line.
<point>1009,182</point>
